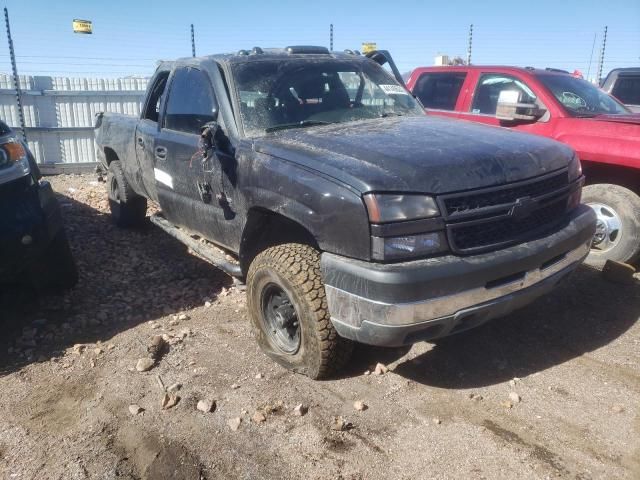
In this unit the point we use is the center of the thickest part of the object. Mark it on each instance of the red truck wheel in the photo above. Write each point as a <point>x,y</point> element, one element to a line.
<point>618,229</point>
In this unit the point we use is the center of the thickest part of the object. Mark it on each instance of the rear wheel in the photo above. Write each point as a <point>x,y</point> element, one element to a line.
<point>128,209</point>
<point>618,223</point>
<point>288,309</point>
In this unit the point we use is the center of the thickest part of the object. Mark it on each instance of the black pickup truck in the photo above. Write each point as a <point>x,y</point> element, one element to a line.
<point>352,215</point>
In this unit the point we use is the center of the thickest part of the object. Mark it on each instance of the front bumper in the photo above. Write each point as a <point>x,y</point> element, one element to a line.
<point>404,303</point>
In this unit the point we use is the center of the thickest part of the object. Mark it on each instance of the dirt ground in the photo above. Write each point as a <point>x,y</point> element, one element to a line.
<point>445,410</point>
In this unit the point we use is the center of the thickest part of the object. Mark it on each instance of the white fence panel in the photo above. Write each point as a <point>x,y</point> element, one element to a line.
<point>60,111</point>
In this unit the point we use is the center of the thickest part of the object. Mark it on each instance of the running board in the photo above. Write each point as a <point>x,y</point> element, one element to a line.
<point>208,253</point>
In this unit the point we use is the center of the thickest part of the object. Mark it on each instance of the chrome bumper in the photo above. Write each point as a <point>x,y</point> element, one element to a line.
<point>346,305</point>
<point>449,294</point>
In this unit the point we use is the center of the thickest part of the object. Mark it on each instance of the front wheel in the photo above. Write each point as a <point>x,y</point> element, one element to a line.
<point>618,223</point>
<point>288,309</point>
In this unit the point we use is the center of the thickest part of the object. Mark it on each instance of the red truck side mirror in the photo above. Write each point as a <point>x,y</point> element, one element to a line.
<point>510,108</point>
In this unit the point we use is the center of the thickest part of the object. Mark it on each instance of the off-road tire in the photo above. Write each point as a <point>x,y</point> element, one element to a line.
<point>128,209</point>
<point>626,205</point>
<point>295,268</point>
<point>56,269</point>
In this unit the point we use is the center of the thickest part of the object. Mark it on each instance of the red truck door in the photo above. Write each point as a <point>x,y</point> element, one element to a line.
<point>481,104</point>
<point>442,93</point>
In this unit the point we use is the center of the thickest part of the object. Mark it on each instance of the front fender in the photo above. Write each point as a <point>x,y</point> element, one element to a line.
<point>333,213</point>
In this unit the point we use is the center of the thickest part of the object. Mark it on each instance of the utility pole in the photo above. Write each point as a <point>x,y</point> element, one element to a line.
<point>16,80</point>
<point>601,63</point>
<point>593,47</point>
<point>331,37</point>
<point>470,44</point>
<point>193,42</point>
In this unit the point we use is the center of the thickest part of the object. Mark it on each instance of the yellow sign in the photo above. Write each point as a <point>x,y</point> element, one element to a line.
<point>369,47</point>
<point>82,26</point>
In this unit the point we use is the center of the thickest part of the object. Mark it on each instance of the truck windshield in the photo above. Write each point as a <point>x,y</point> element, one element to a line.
<point>580,98</point>
<point>281,94</point>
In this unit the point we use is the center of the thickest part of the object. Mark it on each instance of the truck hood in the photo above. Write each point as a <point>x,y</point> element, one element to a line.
<point>417,154</point>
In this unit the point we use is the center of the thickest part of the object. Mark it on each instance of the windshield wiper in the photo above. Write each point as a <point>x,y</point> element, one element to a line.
<point>390,114</point>
<point>301,124</point>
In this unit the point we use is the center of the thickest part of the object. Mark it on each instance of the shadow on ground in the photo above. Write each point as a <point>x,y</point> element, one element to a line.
<point>126,277</point>
<point>585,313</point>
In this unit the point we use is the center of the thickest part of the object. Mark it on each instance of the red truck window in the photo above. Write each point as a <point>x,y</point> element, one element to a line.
<point>485,98</point>
<point>439,90</point>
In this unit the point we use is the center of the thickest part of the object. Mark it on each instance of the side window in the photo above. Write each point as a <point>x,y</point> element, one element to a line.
<point>152,110</point>
<point>485,98</point>
<point>191,101</point>
<point>627,90</point>
<point>439,91</point>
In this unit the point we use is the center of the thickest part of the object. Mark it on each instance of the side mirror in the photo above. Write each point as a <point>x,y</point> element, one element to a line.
<point>209,133</point>
<point>511,109</point>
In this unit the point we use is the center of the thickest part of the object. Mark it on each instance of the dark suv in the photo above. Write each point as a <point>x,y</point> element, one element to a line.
<point>33,243</point>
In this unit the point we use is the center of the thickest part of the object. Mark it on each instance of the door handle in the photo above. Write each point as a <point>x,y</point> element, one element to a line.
<point>161,152</point>
<point>140,141</point>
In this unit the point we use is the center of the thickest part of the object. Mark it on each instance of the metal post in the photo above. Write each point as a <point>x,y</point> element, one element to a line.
<point>331,37</point>
<point>470,44</point>
<point>593,47</point>
<point>16,80</point>
<point>601,63</point>
<point>193,42</point>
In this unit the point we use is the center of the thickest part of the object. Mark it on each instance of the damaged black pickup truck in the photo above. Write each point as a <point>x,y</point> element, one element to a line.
<point>352,215</point>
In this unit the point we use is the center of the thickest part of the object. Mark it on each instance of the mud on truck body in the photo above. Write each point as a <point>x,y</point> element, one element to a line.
<point>352,215</point>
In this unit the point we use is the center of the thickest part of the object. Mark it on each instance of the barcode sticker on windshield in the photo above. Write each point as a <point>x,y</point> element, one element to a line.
<point>393,90</point>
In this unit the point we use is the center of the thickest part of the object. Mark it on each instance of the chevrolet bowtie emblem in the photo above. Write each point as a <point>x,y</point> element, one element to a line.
<point>523,207</point>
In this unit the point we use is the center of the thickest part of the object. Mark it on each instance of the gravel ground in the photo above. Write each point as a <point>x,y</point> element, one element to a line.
<point>551,391</point>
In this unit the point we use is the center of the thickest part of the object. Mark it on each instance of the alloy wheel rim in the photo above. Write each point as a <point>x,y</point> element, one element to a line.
<point>608,227</point>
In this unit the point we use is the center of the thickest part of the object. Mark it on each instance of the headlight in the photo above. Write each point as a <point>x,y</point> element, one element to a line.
<point>394,248</point>
<point>575,168</point>
<point>13,153</point>
<point>384,208</point>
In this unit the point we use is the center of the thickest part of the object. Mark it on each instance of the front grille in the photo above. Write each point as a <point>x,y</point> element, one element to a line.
<point>490,218</point>
<point>470,202</point>
<point>499,232</point>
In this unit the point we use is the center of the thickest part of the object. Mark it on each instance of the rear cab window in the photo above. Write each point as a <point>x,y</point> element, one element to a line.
<point>439,90</point>
<point>152,108</point>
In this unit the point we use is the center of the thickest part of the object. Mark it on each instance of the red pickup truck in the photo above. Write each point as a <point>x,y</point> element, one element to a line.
<point>555,104</point>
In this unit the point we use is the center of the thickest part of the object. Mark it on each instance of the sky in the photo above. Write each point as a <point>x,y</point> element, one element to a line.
<point>130,36</point>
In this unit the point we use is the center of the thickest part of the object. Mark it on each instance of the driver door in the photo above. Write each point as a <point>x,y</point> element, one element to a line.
<point>180,172</point>
<point>484,102</point>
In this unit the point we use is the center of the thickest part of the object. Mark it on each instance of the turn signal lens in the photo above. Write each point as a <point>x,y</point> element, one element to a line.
<point>14,150</point>
<point>10,153</point>
<point>394,248</point>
